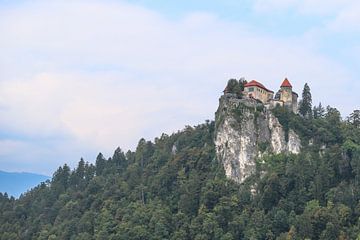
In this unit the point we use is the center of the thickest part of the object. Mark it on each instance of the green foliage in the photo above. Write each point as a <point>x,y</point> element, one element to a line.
<point>263,146</point>
<point>241,108</point>
<point>319,111</point>
<point>305,108</point>
<point>354,118</point>
<point>235,86</point>
<point>174,188</point>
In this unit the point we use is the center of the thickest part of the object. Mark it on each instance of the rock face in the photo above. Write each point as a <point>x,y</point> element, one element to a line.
<point>245,130</point>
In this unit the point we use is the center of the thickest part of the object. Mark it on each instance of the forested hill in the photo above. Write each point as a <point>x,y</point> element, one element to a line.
<point>175,188</point>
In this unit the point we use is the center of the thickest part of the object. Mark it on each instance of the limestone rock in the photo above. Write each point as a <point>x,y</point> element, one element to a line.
<point>245,130</point>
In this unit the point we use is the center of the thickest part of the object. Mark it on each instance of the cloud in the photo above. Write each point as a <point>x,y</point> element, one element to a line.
<point>85,76</point>
<point>307,7</point>
<point>347,20</point>
<point>9,146</point>
<point>333,15</point>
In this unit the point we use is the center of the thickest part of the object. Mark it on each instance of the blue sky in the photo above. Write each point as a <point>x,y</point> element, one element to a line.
<point>82,77</point>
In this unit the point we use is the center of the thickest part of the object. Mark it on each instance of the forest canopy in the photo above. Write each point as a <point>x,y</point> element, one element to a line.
<point>174,188</point>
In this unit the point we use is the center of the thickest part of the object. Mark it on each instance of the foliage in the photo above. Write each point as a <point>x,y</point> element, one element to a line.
<point>236,86</point>
<point>305,108</point>
<point>354,118</point>
<point>174,188</point>
<point>319,111</point>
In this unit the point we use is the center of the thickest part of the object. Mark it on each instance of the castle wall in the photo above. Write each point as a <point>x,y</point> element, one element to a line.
<point>274,103</point>
<point>286,95</point>
<point>294,102</point>
<point>258,93</point>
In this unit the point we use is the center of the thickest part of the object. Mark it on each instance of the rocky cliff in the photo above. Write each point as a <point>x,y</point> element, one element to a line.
<point>245,131</point>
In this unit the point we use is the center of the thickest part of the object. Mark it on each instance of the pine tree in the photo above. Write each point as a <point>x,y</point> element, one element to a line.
<point>305,108</point>
<point>354,118</point>
<point>100,164</point>
<point>319,111</point>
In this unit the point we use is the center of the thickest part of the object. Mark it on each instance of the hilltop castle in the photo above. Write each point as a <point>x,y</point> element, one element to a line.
<point>284,97</point>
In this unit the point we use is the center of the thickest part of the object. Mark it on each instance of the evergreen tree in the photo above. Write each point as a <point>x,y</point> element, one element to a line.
<point>318,111</point>
<point>100,164</point>
<point>305,108</point>
<point>77,176</point>
<point>354,118</point>
<point>157,193</point>
<point>119,160</point>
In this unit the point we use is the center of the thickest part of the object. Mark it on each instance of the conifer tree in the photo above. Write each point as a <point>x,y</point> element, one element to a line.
<point>319,111</point>
<point>100,164</point>
<point>305,108</point>
<point>354,118</point>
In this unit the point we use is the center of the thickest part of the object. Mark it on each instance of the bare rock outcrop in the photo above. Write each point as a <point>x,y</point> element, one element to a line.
<point>245,130</point>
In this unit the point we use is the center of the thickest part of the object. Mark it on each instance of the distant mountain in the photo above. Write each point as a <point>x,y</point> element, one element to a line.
<point>15,183</point>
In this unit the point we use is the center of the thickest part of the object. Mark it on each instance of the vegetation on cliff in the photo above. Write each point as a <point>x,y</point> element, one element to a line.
<point>174,188</point>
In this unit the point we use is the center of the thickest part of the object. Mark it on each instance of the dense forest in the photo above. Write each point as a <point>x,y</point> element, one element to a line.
<point>174,188</point>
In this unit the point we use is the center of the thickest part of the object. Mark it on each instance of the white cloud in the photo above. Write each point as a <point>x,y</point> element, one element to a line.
<point>105,74</point>
<point>9,146</point>
<point>271,5</point>
<point>347,20</point>
<point>308,7</point>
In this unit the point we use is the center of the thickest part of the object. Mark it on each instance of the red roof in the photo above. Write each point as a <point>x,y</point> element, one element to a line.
<point>226,90</point>
<point>286,83</point>
<point>254,83</point>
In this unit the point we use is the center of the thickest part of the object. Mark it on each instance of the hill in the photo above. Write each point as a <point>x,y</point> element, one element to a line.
<point>184,186</point>
<point>14,183</point>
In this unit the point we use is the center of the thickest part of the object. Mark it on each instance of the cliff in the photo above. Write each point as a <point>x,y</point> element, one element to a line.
<point>245,131</point>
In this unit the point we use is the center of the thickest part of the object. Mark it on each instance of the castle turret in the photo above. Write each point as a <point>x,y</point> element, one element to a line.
<point>288,96</point>
<point>286,92</point>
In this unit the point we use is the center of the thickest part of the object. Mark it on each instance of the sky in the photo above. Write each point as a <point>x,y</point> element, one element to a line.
<point>81,77</point>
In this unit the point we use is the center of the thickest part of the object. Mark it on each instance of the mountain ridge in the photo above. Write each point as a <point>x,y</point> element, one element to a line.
<point>17,183</point>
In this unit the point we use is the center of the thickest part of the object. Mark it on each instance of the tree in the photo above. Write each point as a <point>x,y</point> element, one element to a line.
<point>77,176</point>
<point>330,232</point>
<point>119,159</point>
<point>305,108</point>
<point>319,111</point>
<point>333,125</point>
<point>236,87</point>
<point>310,195</point>
<point>60,179</point>
<point>100,164</point>
<point>354,118</point>
<point>242,82</point>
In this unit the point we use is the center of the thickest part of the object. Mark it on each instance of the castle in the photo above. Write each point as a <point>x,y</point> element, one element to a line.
<point>284,97</point>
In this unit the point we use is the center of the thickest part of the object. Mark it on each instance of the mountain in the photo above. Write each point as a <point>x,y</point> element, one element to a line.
<point>253,173</point>
<point>14,183</point>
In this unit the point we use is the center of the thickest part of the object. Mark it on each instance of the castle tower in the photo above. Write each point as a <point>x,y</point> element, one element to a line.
<point>286,92</point>
<point>288,96</point>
